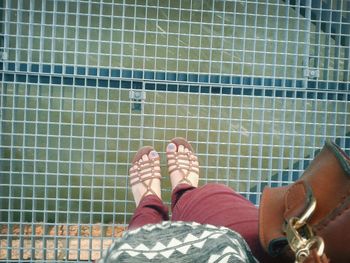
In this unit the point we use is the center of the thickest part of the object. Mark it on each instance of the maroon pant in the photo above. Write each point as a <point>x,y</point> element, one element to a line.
<point>214,204</point>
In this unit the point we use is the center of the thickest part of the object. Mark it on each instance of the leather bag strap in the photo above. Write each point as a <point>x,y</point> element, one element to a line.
<point>327,180</point>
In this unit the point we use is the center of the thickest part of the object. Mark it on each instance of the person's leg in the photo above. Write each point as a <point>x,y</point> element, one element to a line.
<point>218,205</point>
<point>183,164</point>
<point>151,210</point>
<point>183,169</point>
<point>213,204</point>
<point>145,184</point>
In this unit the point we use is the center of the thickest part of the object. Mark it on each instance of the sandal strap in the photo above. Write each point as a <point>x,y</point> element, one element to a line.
<point>146,170</point>
<point>185,180</point>
<point>146,162</point>
<point>181,169</point>
<point>148,190</point>
<point>187,160</point>
<point>141,180</point>
<point>141,173</point>
<point>182,156</point>
<point>183,161</point>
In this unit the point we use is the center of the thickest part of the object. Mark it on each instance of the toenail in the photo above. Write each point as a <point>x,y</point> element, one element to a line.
<point>171,146</point>
<point>154,154</point>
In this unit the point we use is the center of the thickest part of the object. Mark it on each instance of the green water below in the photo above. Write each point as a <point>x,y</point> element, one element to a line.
<point>66,150</point>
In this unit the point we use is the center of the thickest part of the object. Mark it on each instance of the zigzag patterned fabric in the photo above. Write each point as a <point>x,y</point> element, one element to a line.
<point>179,242</point>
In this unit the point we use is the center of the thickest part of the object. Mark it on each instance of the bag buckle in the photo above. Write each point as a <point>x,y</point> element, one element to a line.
<point>300,236</point>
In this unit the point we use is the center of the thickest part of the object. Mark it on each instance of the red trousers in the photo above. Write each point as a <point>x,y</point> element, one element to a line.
<point>214,204</point>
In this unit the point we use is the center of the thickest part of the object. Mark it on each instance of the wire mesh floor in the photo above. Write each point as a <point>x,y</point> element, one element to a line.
<point>58,242</point>
<point>256,86</point>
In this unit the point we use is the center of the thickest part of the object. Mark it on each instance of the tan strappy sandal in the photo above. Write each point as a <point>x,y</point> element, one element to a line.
<point>145,170</point>
<point>184,162</point>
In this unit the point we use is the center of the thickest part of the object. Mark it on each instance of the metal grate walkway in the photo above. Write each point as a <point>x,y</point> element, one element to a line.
<point>256,86</point>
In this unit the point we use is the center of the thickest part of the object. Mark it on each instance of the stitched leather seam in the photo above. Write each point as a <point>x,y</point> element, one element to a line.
<point>325,222</point>
<point>262,233</point>
<point>288,204</point>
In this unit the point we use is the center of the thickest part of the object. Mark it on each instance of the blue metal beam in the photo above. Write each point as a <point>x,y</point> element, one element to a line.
<point>47,74</point>
<point>323,10</point>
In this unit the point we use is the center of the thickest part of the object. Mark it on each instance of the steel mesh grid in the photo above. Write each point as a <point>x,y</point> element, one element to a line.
<point>66,138</point>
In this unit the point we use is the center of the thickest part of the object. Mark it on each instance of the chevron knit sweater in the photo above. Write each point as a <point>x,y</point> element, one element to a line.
<point>179,242</point>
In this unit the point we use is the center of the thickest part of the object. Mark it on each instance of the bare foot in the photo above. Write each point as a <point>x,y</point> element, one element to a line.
<point>182,163</point>
<point>145,174</point>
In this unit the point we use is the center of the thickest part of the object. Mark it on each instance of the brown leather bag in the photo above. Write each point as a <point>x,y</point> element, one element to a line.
<point>315,208</point>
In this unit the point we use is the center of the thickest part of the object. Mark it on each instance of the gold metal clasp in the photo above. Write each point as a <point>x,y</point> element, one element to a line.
<point>300,236</point>
<point>308,212</point>
<point>316,242</point>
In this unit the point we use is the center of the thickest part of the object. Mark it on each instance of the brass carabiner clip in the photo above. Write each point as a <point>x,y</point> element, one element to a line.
<point>300,236</point>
